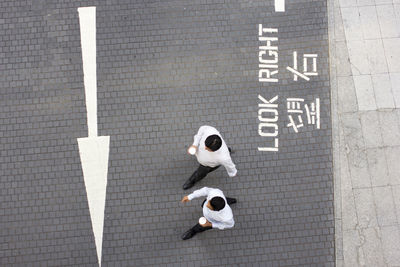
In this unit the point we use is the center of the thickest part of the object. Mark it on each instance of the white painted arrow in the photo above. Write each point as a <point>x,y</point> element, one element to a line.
<point>93,150</point>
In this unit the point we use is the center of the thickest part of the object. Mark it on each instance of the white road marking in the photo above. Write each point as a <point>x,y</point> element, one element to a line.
<point>93,150</point>
<point>279,5</point>
<point>87,20</point>
<point>94,158</point>
<point>268,123</point>
<point>317,107</point>
<point>295,64</point>
<point>298,73</point>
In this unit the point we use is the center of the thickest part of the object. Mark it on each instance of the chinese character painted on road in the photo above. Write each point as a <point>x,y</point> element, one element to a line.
<point>313,113</point>
<point>295,111</point>
<point>294,107</point>
<point>307,70</point>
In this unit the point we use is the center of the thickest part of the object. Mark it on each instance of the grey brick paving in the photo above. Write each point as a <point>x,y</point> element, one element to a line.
<point>164,69</point>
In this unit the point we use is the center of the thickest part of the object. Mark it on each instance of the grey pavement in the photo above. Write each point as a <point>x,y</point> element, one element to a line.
<point>364,42</point>
<point>164,68</point>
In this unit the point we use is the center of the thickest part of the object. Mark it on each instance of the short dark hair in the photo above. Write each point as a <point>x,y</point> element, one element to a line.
<point>213,142</point>
<point>218,203</point>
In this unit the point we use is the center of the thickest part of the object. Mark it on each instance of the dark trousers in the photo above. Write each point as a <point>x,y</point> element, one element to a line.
<point>198,228</point>
<point>201,172</point>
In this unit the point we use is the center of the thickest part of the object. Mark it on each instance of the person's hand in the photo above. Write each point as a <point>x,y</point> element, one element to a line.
<point>191,147</point>
<point>207,224</point>
<point>185,199</point>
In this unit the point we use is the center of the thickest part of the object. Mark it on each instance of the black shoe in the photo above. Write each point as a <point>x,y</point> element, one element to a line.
<point>188,184</point>
<point>231,200</point>
<point>188,234</point>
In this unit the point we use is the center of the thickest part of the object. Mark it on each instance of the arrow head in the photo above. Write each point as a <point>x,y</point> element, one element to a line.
<point>94,153</point>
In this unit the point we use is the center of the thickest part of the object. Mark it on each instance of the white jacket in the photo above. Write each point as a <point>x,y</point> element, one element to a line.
<point>213,159</point>
<point>219,219</point>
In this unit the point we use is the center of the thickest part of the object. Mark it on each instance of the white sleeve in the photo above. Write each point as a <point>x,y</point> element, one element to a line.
<point>199,193</point>
<point>230,167</point>
<point>221,225</point>
<point>200,133</point>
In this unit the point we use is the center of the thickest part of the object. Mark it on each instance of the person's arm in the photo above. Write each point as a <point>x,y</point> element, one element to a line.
<point>199,193</point>
<point>197,137</point>
<point>230,167</point>
<point>207,224</point>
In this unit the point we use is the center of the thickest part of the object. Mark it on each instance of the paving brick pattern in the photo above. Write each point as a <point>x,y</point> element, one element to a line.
<point>164,69</point>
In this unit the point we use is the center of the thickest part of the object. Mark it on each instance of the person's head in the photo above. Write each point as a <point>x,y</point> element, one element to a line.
<point>213,142</point>
<point>216,203</point>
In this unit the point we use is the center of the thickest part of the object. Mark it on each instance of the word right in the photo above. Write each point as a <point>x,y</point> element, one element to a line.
<point>268,59</point>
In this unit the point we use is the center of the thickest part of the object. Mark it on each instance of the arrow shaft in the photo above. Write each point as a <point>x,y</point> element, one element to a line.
<point>87,21</point>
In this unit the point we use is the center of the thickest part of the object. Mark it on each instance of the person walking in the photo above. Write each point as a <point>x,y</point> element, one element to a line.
<point>216,211</point>
<point>211,152</point>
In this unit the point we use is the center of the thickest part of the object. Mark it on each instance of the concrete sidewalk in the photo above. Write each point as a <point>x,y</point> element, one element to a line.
<point>365,79</point>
